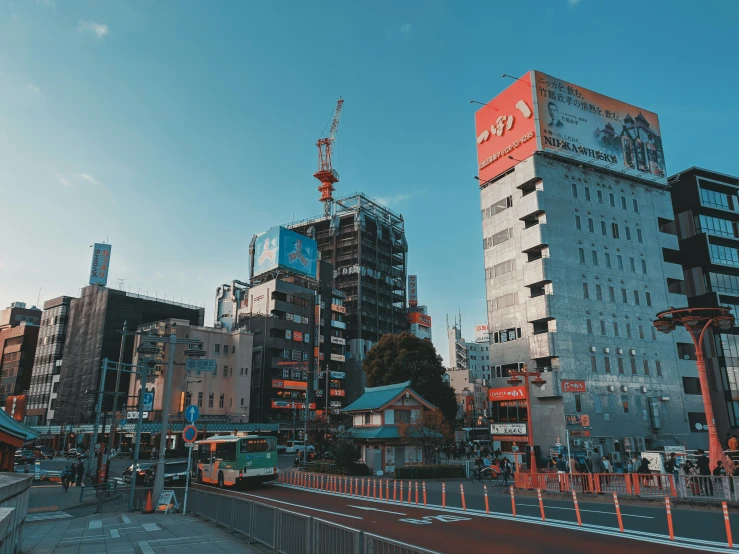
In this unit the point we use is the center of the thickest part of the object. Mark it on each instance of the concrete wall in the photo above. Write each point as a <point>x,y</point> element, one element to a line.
<point>14,492</point>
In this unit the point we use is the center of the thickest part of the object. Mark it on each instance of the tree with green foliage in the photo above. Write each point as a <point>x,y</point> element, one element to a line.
<point>404,357</point>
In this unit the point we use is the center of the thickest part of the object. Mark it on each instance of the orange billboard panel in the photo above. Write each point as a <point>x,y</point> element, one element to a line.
<point>598,130</point>
<point>505,127</point>
<point>422,319</point>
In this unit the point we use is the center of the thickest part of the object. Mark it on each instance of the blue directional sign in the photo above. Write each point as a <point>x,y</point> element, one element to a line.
<point>148,399</point>
<point>200,365</point>
<point>192,413</point>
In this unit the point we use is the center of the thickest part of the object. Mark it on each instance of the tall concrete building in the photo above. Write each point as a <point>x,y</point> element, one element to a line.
<point>47,363</point>
<point>706,205</point>
<point>471,356</point>
<point>17,350</point>
<point>366,244</point>
<point>17,313</point>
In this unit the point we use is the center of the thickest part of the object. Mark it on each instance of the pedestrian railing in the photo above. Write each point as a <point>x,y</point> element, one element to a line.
<point>287,532</point>
<point>705,487</point>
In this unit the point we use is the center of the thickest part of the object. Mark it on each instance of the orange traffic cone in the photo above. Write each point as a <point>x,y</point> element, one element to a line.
<point>149,508</point>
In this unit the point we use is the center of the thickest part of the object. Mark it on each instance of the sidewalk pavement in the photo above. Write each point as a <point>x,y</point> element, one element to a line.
<point>131,533</point>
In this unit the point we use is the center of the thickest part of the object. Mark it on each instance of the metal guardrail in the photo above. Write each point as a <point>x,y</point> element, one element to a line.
<point>287,532</point>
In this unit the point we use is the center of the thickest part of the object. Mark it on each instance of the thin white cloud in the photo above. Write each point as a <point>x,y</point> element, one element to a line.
<point>98,29</point>
<point>47,4</point>
<point>34,89</point>
<point>404,31</point>
<point>573,3</point>
<point>62,179</point>
<point>406,28</point>
<point>89,178</point>
<point>393,200</point>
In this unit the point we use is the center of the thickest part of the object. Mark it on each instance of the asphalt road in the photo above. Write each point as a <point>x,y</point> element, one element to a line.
<point>450,531</point>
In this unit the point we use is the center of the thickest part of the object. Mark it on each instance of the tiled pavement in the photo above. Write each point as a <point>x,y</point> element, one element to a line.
<point>131,534</point>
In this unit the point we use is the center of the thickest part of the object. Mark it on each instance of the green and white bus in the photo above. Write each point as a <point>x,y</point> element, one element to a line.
<point>231,461</point>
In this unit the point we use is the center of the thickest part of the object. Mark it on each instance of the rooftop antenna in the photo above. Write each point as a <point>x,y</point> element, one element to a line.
<point>121,282</point>
<point>38,300</point>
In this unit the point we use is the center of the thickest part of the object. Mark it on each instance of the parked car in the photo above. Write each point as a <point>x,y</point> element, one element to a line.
<point>44,452</point>
<point>77,453</point>
<point>140,473</point>
<point>25,457</point>
<point>175,473</point>
<point>298,446</point>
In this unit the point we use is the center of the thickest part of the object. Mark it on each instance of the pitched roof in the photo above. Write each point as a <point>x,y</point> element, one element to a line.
<point>383,432</point>
<point>16,428</point>
<point>375,398</point>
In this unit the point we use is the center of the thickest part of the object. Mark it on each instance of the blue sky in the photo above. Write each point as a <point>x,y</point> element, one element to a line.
<point>179,129</point>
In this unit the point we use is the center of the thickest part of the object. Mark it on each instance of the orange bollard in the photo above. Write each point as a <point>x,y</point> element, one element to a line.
<point>669,519</point>
<point>401,491</point>
<point>443,495</point>
<point>464,504</point>
<point>395,490</point>
<point>541,504</point>
<point>409,492</point>
<point>424,493</point>
<point>416,493</point>
<point>728,525</point>
<point>374,488</point>
<point>356,486</point>
<point>379,486</point>
<point>577,508</point>
<point>513,503</point>
<point>362,487</point>
<point>487,505</point>
<point>618,513</point>
<point>387,491</point>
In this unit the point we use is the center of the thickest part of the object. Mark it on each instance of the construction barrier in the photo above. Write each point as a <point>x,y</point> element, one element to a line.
<point>626,484</point>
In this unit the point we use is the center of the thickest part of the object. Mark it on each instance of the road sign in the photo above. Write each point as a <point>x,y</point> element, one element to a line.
<point>190,445</point>
<point>148,398</point>
<point>97,446</point>
<point>122,422</point>
<point>190,433</point>
<point>192,413</point>
<point>200,365</point>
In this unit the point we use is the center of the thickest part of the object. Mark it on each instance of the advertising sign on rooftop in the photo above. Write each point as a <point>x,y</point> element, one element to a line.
<point>413,290</point>
<point>100,264</point>
<point>282,248</point>
<point>543,113</point>
<point>482,334</point>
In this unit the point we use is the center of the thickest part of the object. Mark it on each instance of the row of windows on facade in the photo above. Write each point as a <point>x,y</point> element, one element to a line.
<point>717,226</point>
<point>612,295</point>
<point>725,255</point>
<point>594,368</point>
<point>717,199</point>
<point>497,207</point>
<point>616,331</point>
<point>606,404</point>
<point>211,399</point>
<point>595,260</point>
<point>615,230</point>
<point>600,198</point>
<point>53,320</point>
<point>217,349</point>
<point>225,372</point>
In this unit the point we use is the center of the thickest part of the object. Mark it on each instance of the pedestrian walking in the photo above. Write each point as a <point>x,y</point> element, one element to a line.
<point>561,466</point>
<point>671,464</point>
<point>733,443</point>
<point>80,473</point>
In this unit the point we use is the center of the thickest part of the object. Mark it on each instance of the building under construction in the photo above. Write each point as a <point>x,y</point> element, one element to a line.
<point>366,244</point>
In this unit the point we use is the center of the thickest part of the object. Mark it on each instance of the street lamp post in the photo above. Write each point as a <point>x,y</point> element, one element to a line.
<point>697,321</point>
<point>537,381</point>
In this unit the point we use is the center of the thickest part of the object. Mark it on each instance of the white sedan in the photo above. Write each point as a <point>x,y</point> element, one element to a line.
<point>294,447</point>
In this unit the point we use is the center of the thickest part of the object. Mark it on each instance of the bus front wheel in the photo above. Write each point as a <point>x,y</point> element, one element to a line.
<point>220,480</point>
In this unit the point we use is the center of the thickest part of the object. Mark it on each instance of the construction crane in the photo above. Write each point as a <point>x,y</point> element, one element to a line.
<point>326,174</point>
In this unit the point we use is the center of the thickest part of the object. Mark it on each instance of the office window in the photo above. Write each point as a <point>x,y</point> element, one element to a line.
<point>611,403</point>
<point>724,255</point>
<point>242,371</point>
<point>644,266</point>
<point>623,202</point>
<point>188,398</point>
<point>603,228</point>
<point>217,349</point>
<point>595,257</point>
<point>621,366</point>
<point>633,366</point>
<point>628,330</point>
<point>593,364</point>
<point>225,371</point>
<point>636,206</point>
<point>615,328</point>
<point>628,232</point>
<point>641,332</point>
<point>607,364</point>
<point>220,401</point>
<point>585,290</point>
<point>591,225</point>
<point>587,193</point>
<point>602,327</point>
<point>598,292</point>
<point>211,396</point>
<point>611,294</point>
<point>614,229</point>
<point>638,235</point>
<point>648,296</point>
<point>574,190</point>
<point>624,297</point>
<point>608,259</point>
<point>200,400</point>
<point>600,196</point>
<point>578,226</point>
<point>646,367</point>
<point>692,385</point>
<point>654,333</point>
<point>582,255</point>
<point>233,349</point>
<point>590,326</point>
<point>636,297</point>
<point>620,261</point>
<point>242,400</point>
<point>625,403</point>
<point>658,368</point>
<point>597,404</point>
<point>612,199</point>
<point>578,404</point>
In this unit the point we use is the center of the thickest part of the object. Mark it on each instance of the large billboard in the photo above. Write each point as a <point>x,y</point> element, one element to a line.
<point>413,290</point>
<point>100,264</point>
<point>543,113</point>
<point>280,247</point>
<point>482,334</point>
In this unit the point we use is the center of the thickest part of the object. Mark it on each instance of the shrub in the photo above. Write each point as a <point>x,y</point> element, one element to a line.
<point>430,472</point>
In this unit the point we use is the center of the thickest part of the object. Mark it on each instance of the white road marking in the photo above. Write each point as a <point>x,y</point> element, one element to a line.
<point>114,534</point>
<point>44,516</point>
<point>376,510</point>
<point>151,527</point>
<point>145,548</point>
<point>95,524</point>
<point>301,506</point>
<point>582,510</point>
<point>125,519</point>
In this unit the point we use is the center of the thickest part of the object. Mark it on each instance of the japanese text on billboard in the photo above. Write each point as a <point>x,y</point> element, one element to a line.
<point>100,264</point>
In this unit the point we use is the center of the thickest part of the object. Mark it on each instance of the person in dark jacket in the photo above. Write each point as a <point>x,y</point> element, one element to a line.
<point>704,469</point>
<point>80,473</point>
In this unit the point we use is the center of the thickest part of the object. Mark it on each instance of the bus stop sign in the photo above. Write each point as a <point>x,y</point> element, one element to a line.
<point>190,433</point>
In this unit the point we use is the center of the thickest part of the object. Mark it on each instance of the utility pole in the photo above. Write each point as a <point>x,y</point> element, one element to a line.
<point>111,435</point>
<point>98,413</point>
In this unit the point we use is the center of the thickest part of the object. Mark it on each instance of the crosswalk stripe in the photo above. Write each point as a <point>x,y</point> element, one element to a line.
<point>43,516</point>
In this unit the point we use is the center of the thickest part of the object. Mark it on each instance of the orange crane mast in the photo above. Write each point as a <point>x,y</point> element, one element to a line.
<point>326,174</point>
